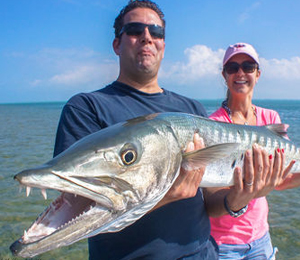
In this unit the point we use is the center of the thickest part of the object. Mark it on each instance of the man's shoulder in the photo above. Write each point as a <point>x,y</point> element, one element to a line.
<point>180,96</point>
<point>192,105</point>
<point>84,98</point>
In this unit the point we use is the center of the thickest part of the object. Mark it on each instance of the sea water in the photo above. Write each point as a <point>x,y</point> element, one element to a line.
<point>27,134</point>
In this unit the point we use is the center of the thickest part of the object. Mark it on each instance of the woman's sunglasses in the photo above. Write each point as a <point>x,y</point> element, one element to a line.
<point>136,29</point>
<point>246,66</point>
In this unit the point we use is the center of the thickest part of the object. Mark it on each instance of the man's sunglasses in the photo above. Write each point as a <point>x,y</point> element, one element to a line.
<point>136,29</point>
<point>246,66</point>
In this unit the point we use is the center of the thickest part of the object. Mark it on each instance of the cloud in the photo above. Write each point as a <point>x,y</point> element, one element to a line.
<point>72,68</point>
<point>60,58</point>
<point>15,55</point>
<point>198,74</point>
<point>201,62</point>
<point>36,82</point>
<point>85,74</point>
<point>284,69</point>
<point>76,76</point>
<point>247,13</point>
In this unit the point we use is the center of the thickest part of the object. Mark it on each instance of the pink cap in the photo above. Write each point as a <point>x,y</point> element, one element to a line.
<point>240,48</point>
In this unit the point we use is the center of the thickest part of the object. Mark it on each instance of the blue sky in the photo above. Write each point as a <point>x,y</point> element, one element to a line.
<point>53,49</point>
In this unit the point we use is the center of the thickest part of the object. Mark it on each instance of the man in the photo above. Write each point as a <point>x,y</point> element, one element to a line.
<point>178,228</point>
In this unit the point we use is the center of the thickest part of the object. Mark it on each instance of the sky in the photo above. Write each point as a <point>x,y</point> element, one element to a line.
<point>53,49</point>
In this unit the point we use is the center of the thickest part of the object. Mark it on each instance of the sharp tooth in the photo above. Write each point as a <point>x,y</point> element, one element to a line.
<point>25,235</point>
<point>44,193</point>
<point>28,189</point>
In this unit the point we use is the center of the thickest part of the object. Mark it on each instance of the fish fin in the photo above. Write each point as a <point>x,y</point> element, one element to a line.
<point>208,154</point>
<point>279,129</point>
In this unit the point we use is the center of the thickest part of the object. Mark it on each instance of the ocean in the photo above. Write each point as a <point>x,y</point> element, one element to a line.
<point>27,136</point>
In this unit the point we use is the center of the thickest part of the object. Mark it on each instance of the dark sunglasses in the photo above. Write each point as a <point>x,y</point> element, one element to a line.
<point>136,29</point>
<point>246,66</point>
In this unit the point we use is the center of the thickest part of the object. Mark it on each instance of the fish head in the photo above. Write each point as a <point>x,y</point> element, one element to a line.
<point>108,180</point>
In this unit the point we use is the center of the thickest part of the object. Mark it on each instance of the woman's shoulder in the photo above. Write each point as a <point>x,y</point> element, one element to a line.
<point>220,115</point>
<point>265,110</point>
<point>267,115</point>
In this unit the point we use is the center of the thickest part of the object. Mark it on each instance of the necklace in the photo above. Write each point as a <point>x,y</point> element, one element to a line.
<point>227,109</point>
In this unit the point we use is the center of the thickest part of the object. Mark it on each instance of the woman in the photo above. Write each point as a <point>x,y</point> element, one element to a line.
<point>246,235</point>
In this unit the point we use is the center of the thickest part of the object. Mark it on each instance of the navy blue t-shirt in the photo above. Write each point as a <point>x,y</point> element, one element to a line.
<point>175,231</point>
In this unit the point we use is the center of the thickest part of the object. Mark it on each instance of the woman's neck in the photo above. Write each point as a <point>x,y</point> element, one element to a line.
<point>241,111</point>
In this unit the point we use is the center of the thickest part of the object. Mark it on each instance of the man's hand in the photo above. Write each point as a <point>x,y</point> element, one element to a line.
<point>187,183</point>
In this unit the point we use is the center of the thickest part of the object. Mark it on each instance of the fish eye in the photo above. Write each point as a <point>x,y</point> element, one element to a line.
<point>128,156</point>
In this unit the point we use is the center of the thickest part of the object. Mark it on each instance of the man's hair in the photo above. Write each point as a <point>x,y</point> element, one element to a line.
<point>132,4</point>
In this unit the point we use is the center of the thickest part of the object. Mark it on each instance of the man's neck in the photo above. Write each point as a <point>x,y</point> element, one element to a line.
<point>147,86</point>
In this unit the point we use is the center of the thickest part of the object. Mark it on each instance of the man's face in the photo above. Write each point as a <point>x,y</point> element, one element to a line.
<point>140,55</point>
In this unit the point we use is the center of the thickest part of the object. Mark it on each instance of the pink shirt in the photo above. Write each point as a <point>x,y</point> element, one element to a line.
<point>254,223</point>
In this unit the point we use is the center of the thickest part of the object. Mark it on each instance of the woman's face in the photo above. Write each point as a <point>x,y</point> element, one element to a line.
<point>241,83</point>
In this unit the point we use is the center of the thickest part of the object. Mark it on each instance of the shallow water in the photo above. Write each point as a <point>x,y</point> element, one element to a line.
<point>27,135</point>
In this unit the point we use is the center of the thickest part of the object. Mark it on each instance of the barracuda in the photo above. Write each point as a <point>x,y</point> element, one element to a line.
<point>113,177</point>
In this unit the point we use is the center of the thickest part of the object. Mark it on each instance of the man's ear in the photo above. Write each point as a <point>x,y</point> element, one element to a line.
<point>116,45</point>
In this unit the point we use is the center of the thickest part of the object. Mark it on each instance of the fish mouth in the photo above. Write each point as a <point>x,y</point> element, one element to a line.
<point>66,210</point>
<point>71,211</point>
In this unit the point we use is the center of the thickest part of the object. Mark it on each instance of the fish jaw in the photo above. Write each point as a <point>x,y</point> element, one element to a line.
<point>65,220</point>
<point>46,178</point>
<point>58,226</point>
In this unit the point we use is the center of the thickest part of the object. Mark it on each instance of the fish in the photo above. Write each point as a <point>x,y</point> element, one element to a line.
<point>113,177</point>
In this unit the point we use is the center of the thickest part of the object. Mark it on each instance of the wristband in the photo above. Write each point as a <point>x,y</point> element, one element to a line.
<point>234,214</point>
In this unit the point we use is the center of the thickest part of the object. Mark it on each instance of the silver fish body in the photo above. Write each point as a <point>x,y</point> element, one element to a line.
<point>113,177</point>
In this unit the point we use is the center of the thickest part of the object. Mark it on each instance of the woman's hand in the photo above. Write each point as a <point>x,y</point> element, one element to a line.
<point>263,172</point>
